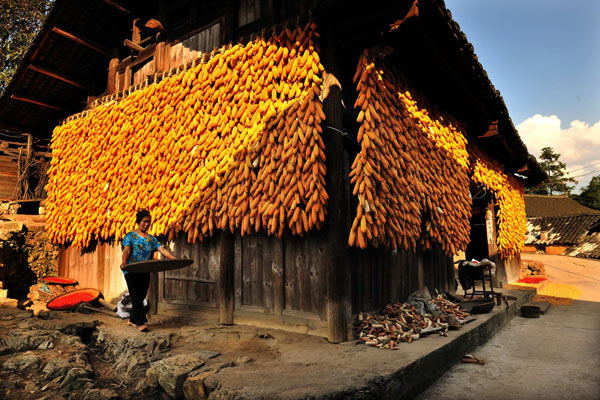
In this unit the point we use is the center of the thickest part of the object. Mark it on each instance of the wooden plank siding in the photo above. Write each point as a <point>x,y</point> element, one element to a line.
<point>196,284</point>
<point>202,42</point>
<point>98,268</point>
<point>277,282</point>
<point>381,276</point>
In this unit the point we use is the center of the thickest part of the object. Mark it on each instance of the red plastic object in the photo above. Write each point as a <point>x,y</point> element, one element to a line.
<point>68,300</point>
<point>59,280</point>
<point>532,279</point>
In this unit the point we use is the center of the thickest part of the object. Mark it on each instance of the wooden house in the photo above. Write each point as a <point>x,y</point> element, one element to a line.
<point>315,158</point>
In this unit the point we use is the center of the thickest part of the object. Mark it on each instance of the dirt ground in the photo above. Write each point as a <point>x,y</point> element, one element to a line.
<point>581,273</point>
<point>555,356</point>
<point>253,362</point>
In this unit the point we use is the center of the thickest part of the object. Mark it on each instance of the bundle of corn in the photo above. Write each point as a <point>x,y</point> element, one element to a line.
<point>398,323</point>
<point>449,308</point>
<point>233,142</point>
<point>508,191</point>
<point>410,175</point>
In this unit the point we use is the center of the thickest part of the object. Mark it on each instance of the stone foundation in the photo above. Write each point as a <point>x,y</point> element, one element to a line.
<point>26,254</point>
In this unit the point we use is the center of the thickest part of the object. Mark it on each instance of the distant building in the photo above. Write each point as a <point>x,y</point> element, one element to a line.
<point>560,225</point>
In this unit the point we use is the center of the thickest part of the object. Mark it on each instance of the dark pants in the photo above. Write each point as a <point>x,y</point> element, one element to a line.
<point>138,284</point>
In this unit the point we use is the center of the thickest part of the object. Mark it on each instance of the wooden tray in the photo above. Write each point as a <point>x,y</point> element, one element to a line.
<point>157,265</point>
<point>59,280</point>
<point>68,300</point>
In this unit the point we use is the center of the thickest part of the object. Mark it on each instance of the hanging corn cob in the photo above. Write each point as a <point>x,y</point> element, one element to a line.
<point>231,143</point>
<point>508,191</point>
<point>410,175</point>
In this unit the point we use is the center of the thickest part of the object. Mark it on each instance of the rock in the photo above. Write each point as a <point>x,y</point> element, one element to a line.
<point>23,304</point>
<point>22,340</point>
<point>100,394</point>
<point>55,367</point>
<point>172,372</point>
<point>76,378</point>
<point>207,354</point>
<point>23,362</point>
<point>142,386</point>
<point>8,228</point>
<point>152,376</point>
<point>242,360</point>
<point>193,387</point>
<point>6,302</point>
<point>39,310</point>
<point>224,365</point>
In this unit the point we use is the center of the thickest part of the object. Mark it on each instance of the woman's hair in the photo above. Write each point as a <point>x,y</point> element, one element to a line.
<point>140,215</point>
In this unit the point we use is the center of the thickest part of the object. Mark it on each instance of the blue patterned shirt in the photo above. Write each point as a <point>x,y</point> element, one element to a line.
<point>141,248</point>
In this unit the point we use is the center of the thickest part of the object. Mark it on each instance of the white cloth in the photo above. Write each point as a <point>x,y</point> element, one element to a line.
<point>124,310</point>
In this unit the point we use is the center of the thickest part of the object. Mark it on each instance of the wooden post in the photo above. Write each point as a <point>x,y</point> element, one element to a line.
<point>112,73</point>
<point>335,230</point>
<point>226,277</point>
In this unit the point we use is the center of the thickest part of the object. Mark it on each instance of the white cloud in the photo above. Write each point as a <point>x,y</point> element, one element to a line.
<point>578,145</point>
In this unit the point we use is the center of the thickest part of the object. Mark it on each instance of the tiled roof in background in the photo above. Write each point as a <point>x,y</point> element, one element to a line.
<point>553,206</point>
<point>588,248</point>
<point>561,230</point>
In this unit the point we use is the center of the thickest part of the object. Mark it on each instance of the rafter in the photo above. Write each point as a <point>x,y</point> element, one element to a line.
<point>118,7</point>
<point>85,42</point>
<point>34,101</point>
<point>57,75</point>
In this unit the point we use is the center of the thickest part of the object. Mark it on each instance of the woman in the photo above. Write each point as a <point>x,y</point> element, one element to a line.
<point>139,245</point>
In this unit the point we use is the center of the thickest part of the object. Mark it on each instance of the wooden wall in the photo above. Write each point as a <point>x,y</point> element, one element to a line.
<point>186,49</point>
<point>193,285</point>
<point>381,276</point>
<point>98,268</point>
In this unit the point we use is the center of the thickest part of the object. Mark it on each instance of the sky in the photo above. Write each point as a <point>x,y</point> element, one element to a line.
<point>544,57</point>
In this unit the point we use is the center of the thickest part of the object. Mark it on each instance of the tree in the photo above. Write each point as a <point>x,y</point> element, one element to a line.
<point>20,21</point>
<point>556,170</point>
<point>590,195</point>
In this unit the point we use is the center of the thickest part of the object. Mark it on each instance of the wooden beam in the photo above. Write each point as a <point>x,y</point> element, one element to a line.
<point>36,102</point>
<point>118,7</point>
<point>39,46</point>
<point>136,31</point>
<point>226,277</point>
<point>492,131</point>
<point>335,230</point>
<point>82,41</point>
<point>57,75</point>
<point>112,74</point>
<point>133,46</point>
